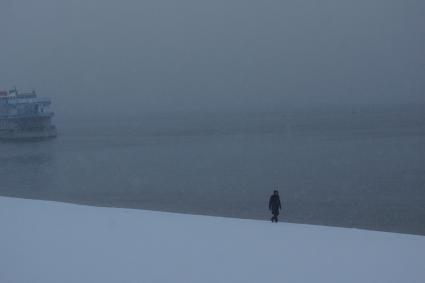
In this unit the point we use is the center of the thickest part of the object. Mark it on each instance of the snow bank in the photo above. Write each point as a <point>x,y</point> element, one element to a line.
<point>47,242</point>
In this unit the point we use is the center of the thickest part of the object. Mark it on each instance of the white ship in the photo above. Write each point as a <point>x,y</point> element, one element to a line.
<point>25,116</point>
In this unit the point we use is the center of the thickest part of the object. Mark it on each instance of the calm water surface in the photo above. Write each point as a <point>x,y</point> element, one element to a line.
<point>364,170</point>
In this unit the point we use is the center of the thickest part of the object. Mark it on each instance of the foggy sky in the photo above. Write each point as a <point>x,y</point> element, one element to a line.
<point>132,56</point>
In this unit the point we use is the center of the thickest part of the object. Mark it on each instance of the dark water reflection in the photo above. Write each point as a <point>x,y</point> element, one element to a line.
<point>349,173</point>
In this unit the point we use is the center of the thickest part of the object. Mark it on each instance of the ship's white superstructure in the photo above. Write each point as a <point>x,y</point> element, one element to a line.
<point>25,116</point>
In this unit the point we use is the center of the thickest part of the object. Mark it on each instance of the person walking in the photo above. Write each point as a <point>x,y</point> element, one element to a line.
<point>274,205</point>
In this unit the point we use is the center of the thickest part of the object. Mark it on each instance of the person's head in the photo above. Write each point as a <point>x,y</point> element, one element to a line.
<point>275,192</point>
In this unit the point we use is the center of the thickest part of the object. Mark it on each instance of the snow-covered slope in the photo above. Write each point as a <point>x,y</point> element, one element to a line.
<point>47,242</point>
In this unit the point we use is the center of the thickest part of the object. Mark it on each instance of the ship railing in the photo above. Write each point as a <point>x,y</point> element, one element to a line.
<point>29,115</point>
<point>38,100</point>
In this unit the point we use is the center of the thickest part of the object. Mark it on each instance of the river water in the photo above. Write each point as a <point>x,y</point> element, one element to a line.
<point>358,169</point>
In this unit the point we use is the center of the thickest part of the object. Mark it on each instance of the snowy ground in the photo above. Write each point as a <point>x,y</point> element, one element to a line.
<point>47,242</point>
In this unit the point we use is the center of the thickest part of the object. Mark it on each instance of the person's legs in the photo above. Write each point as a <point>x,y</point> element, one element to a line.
<point>275,216</point>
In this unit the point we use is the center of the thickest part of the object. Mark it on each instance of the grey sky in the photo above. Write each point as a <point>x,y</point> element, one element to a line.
<point>132,56</point>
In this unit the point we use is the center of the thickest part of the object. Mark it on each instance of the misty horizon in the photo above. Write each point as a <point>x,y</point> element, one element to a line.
<point>105,58</point>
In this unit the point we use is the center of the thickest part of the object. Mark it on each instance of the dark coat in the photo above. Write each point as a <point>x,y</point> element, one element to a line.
<point>274,204</point>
